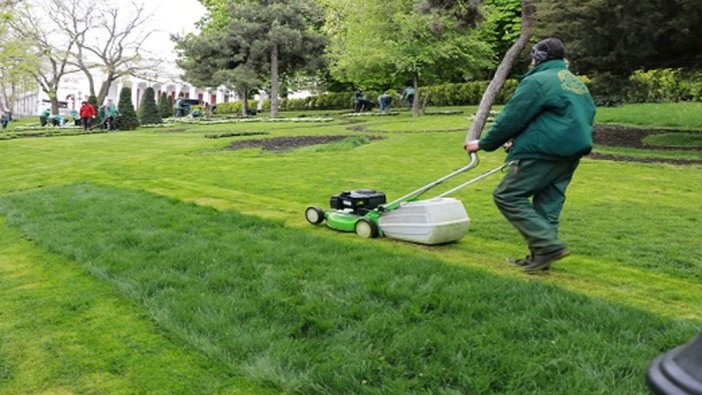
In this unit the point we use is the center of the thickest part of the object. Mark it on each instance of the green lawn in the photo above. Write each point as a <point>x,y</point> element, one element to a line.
<point>154,261</point>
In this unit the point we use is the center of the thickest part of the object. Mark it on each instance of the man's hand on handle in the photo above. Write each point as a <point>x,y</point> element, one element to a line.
<point>472,146</point>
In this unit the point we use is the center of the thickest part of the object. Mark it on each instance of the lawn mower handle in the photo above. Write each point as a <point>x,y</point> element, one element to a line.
<point>473,162</point>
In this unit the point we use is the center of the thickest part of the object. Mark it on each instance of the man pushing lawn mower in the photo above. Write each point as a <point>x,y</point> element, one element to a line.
<point>546,127</point>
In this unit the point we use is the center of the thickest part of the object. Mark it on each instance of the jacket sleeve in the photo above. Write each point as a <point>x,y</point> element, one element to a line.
<point>522,108</point>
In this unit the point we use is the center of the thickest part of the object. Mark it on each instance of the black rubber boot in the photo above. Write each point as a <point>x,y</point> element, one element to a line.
<point>544,261</point>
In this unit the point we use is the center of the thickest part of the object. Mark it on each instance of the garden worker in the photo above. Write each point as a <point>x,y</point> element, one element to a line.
<point>87,113</point>
<point>548,122</point>
<point>358,100</point>
<point>57,120</point>
<point>110,115</point>
<point>385,101</point>
<point>408,96</point>
<point>75,117</point>
<point>44,117</point>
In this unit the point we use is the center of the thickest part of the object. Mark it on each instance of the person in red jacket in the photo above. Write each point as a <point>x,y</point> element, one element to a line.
<point>87,113</point>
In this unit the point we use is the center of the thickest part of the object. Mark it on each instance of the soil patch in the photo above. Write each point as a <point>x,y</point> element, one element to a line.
<point>623,136</point>
<point>622,158</point>
<point>287,143</point>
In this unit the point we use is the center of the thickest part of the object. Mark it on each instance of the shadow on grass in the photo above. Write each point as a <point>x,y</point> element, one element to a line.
<point>301,313</point>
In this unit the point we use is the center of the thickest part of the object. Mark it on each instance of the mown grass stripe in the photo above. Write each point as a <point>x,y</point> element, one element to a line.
<point>63,331</point>
<point>301,313</point>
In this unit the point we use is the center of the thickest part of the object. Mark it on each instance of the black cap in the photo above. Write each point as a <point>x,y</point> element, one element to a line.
<point>547,49</point>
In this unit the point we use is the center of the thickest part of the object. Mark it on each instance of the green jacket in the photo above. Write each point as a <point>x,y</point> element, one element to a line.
<point>111,110</point>
<point>550,116</point>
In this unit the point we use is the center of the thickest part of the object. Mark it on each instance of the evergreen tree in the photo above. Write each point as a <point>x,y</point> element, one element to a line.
<point>618,37</point>
<point>164,106</point>
<point>148,111</point>
<point>127,118</point>
<point>171,105</point>
<point>271,38</point>
<point>93,101</point>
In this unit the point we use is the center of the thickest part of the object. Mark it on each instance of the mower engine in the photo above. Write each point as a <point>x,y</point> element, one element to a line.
<point>360,201</point>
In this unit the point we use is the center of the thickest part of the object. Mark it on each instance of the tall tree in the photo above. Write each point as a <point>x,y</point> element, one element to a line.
<point>527,21</point>
<point>620,36</point>
<point>127,118</point>
<point>165,107</point>
<point>51,46</point>
<point>108,40</point>
<point>385,43</point>
<point>218,57</point>
<point>17,62</point>
<point>148,110</point>
<point>272,38</point>
<point>508,61</point>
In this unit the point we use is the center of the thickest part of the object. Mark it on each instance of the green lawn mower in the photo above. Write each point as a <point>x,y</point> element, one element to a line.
<point>432,221</point>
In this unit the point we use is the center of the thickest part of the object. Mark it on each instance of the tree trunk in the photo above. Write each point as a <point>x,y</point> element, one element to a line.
<point>105,88</point>
<point>415,98</point>
<point>502,72</point>
<point>91,81</point>
<point>54,102</point>
<point>274,81</point>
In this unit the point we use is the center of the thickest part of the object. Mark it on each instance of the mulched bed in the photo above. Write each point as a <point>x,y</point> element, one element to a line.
<point>621,158</point>
<point>287,143</point>
<point>622,136</point>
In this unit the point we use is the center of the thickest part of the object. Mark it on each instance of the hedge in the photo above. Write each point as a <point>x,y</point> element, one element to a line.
<point>664,85</point>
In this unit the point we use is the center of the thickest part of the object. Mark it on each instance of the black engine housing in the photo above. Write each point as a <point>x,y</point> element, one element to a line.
<point>359,201</point>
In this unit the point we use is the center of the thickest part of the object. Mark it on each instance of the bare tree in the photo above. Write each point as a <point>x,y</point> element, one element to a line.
<point>53,49</point>
<point>107,41</point>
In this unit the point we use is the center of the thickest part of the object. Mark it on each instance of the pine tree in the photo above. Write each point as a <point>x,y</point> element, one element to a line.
<point>265,39</point>
<point>164,107</point>
<point>148,111</point>
<point>127,118</point>
<point>171,105</point>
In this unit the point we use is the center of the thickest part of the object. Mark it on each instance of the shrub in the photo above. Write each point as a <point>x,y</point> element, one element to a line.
<point>663,85</point>
<point>232,107</point>
<point>165,107</point>
<point>464,94</point>
<point>148,111</point>
<point>127,118</point>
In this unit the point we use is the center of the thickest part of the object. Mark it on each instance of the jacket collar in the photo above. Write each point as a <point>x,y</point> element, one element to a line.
<point>554,64</point>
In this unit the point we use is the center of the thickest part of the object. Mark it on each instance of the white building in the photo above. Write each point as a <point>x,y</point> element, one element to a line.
<point>74,89</point>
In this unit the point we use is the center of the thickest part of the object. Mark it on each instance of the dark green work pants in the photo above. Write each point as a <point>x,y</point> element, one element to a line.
<point>545,182</point>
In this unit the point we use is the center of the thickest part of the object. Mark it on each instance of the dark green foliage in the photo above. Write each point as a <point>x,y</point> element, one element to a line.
<point>171,105</point>
<point>620,36</point>
<point>94,102</point>
<point>232,107</point>
<point>127,118</point>
<point>165,107</point>
<point>467,12</point>
<point>468,93</point>
<point>653,86</point>
<point>241,53</point>
<point>664,85</point>
<point>148,111</point>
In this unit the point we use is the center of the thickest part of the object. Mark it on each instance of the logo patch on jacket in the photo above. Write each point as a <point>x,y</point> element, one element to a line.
<point>571,83</point>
